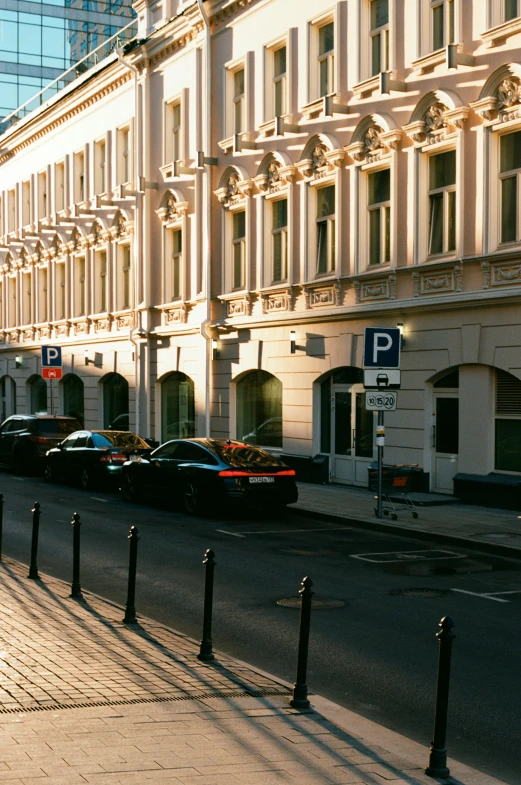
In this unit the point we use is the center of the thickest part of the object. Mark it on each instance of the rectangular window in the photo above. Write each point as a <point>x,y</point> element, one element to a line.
<point>239,102</point>
<point>325,229</point>
<point>124,277</point>
<point>59,186</point>
<point>239,248</point>
<point>11,304</point>
<point>511,10</point>
<point>326,59</point>
<point>100,176</point>
<point>379,195</point>
<point>101,282</point>
<point>26,203</point>
<point>279,82</point>
<point>42,195</point>
<point>80,288</point>
<point>42,294</point>
<point>79,177</point>
<point>510,171</point>
<point>1,304</point>
<point>442,22</point>
<point>60,301</point>
<point>174,271</point>
<point>279,233</point>
<point>379,33</point>
<point>11,211</point>
<point>442,203</point>
<point>26,298</point>
<point>174,130</point>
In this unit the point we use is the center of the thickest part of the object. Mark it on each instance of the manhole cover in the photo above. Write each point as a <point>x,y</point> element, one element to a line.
<point>318,603</point>
<point>426,593</point>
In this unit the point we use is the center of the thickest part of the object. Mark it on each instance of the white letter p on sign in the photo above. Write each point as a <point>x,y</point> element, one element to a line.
<point>381,347</point>
<point>52,354</point>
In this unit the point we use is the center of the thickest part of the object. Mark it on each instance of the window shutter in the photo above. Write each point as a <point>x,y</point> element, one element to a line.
<point>508,394</point>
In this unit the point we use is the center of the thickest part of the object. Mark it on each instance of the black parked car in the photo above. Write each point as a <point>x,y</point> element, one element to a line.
<point>25,438</point>
<point>93,456</point>
<point>200,472</point>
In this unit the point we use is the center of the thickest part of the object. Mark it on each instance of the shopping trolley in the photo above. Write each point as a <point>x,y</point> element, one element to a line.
<point>395,489</point>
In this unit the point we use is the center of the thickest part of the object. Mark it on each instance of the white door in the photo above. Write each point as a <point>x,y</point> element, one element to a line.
<point>445,441</point>
<point>352,435</point>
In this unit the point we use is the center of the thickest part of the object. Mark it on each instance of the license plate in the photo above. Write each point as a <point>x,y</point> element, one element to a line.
<point>262,479</point>
<point>135,457</point>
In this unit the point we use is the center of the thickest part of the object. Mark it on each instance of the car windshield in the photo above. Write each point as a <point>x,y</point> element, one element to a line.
<point>237,455</point>
<point>58,427</point>
<point>119,439</point>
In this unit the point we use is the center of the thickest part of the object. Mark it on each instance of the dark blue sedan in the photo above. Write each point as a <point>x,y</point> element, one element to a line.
<point>198,473</point>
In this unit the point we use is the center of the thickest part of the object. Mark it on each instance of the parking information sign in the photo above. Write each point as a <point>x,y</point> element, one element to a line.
<point>51,357</point>
<point>382,347</point>
<point>380,401</point>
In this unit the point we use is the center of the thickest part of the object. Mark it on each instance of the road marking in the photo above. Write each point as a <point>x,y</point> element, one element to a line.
<point>232,534</point>
<point>389,557</point>
<point>492,593</point>
<point>477,594</point>
<point>97,499</point>
<point>297,531</point>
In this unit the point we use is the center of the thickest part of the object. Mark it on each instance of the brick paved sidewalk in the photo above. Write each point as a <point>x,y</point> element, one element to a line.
<point>497,527</point>
<point>84,699</point>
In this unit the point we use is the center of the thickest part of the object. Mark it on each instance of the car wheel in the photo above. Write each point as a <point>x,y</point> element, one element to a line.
<point>86,480</point>
<point>192,501</point>
<point>128,490</point>
<point>48,473</point>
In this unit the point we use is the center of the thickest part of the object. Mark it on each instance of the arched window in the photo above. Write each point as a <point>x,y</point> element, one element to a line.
<point>37,395</point>
<point>73,402</point>
<point>259,409</point>
<point>115,403</point>
<point>8,389</point>
<point>177,407</point>
<point>508,422</point>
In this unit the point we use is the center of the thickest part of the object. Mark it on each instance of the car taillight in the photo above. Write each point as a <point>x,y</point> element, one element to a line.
<point>232,473</point>
<point>38,439</point>
<point>115,457</point>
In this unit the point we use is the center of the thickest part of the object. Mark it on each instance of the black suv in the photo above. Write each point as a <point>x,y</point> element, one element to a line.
<point>25,438</point>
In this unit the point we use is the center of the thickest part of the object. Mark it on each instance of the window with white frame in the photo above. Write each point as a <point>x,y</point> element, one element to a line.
<point>510,179</point>
<point>100,167</point>
<point>173,140</point>
<point>2,230</point>
<point>239,101</point>
<point>326,58</point>
<point>1,303</point>
<point>379,210</point>
<point>79,177</point>
<point>123,277</point>
<point>59,186</point>
<point>379,35</point>
<point>174,264</point>
<point>42,294</point>
<point>60,291</point>
<point>27,298</point>
<point>12,301</point>
<point>238,222</point>
<point>124,155</point>
<point>280,97</point>
<point>325,229</point>
<point>11,210</point>
<point>442,23</point>
<point>42,195</point>
<point>100,282</point>
<point>442,203</point>
<point>80,287</point>
<point>26,203</point>
<point>279,240</point>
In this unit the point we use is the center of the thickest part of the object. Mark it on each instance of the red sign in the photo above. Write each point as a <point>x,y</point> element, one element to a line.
<point>52,373</point>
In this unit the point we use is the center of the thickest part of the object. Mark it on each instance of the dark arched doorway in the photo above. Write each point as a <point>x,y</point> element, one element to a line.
<point>115,403</point>
<point>73,397</point>
<point>259,409</point>
<point>177,407</point>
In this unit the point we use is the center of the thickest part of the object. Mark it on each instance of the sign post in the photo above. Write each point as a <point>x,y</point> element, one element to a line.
<point>52,367</point>
<point>382,347</point>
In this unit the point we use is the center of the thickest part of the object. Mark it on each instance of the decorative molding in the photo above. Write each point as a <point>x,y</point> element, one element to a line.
<point>102,325</point>
<point>416,283</point>
<point>485,271</point>
<point>322,162</point>
<point>376,144</point>
<point>438,123</point>
<point>172,211</point>
<point>234,191</point>
<point>505,274</point>
<point>124,320</point>
<point>277,301</point>
<point>323,296</point>
<point>175,315</point>
<point>436,282</point>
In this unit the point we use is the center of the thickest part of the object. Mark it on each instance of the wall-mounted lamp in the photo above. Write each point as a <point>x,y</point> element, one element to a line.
<point>18,361</point>
<point>293,341</point>
<point>88,360</point>
<point>402,338</point>
<point>215,349</point>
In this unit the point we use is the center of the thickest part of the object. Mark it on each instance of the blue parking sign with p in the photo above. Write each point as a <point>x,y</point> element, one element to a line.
<point>51,357</point>
<point>382,347</point>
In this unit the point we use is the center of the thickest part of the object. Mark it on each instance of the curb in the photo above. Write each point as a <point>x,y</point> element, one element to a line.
<point>507,551</point>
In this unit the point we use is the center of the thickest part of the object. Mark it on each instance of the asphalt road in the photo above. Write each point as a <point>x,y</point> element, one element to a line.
<point>376,655</point>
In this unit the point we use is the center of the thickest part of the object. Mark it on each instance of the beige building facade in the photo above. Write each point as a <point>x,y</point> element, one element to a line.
<point>207,220</point>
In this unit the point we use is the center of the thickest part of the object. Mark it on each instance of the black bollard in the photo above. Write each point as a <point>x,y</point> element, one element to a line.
<point>1,522</point>
<point>205,650</point>
<point>76,588</point>
<point>300,688</point>
<point>33,569</point>
<point>438,753</point>
<point>130,607</point>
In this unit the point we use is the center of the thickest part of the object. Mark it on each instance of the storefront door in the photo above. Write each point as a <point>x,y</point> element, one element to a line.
<point>352,432</point>
<point>445,441</point>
